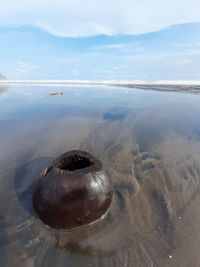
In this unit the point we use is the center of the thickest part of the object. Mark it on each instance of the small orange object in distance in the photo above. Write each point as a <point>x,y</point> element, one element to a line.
<point>61,93</point>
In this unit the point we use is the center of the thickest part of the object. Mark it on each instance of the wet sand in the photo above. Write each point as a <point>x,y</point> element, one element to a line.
<point>181,88</point>
<point>149,145</point>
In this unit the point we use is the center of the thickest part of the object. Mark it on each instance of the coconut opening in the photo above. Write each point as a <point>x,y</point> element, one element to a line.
<point>74,162</point>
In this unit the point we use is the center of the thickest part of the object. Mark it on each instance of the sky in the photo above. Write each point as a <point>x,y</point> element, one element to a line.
<point>100,40</point>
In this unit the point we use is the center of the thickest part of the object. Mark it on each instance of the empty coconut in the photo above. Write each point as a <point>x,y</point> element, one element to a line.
<point>73,191</point>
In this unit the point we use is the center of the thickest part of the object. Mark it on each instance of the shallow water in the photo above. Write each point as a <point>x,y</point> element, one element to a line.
<point>149,143</point>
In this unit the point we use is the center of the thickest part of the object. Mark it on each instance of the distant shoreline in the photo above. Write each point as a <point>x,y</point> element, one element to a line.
<point>105,82</point>
<point>191,87</point>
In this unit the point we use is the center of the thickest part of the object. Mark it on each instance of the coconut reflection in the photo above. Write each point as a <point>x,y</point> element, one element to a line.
<point>3,88</point>
<point>68,240</point>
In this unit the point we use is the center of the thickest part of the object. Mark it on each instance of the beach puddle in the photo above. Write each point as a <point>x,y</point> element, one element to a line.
<point>149,144</point>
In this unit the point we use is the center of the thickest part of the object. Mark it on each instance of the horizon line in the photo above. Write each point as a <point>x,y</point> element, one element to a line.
<point>106,82</point>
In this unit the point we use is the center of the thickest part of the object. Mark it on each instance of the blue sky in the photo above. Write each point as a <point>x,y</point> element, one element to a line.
<point>84,46</point>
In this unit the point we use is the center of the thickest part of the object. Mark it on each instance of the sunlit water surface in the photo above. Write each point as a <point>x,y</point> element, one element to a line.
<point>149,143</point>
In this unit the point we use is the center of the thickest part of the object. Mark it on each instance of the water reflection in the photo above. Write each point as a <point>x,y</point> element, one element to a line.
<point>152,154</point>
<point>116,114</point>
<point>3,88</point>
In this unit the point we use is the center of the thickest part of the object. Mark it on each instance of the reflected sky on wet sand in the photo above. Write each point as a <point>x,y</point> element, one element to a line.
<point>149,143</point>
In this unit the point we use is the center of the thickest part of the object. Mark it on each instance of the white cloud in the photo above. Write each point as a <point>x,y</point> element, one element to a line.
<point>21,68</point>
<point>187,45</point>
<point>92,17</point>
<point>123,47</point>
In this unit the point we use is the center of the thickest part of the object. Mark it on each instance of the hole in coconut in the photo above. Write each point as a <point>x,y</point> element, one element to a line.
<point>74,162</point>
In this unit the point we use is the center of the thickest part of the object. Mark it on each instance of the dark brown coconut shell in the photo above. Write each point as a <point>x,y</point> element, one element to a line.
<point>72,192</point>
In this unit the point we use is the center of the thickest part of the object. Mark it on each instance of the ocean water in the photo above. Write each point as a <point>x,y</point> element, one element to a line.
<point>149,143</point>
